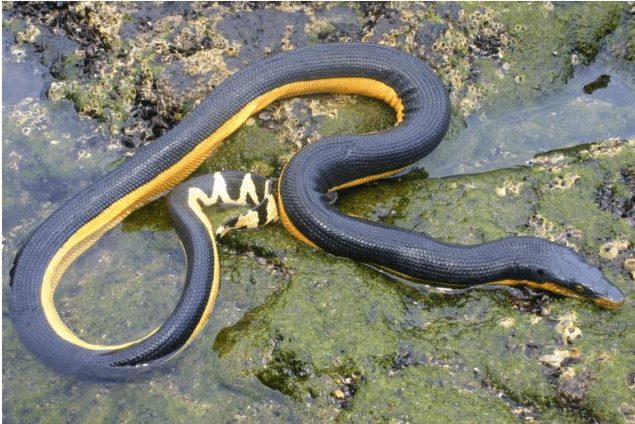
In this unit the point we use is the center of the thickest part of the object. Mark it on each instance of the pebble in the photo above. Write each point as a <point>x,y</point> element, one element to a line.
<point>555,359</point>
<point>567,330</point>
<point>612,249</point>
<point>507,322</point>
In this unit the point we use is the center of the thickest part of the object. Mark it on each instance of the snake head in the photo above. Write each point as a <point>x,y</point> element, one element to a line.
<point>567,273</point>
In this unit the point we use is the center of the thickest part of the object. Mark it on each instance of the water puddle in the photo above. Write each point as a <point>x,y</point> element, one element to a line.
<point>597,103</point>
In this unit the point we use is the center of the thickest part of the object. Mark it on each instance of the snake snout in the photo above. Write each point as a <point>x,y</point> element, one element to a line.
<point>574,274</point>
<point>608,295</point>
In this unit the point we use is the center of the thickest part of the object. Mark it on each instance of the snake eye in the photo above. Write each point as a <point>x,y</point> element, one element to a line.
<point>579,288</point>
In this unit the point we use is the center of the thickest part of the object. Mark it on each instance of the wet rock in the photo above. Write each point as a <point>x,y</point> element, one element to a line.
<point>599,83</point>
<point>429,32</point>
<point>487,45</point>
<point>507,323</point>
<point>448,10</point>
<point>560,357</point>
<point>347,387</point>
<point>510,188</point>
<point>629,265</point>
<point>265,116</point>
<point>343,19</point>
<point>573,388</point>
<point>58,54</point>
<point>373,12</point>
<point>299,122</point>
<point>588,44</point>
<point>29,35</point>
<point>407,358</point>
<point>612,249</point>
<point>628,410</point>
<point>545,228</point>
<point>284,372</point>
<point>564,181</point>
<point>567,330</point>
<point>618,197</point>
<point>393,399</point>
<point>259,29</point>
<point>382,26</point>
<point>289,348</point>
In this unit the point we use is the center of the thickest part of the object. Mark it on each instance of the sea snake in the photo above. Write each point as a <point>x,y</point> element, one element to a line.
<point>422,111</point>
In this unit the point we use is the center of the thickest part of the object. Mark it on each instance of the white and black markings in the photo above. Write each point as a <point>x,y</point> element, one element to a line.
<point>235,188</point>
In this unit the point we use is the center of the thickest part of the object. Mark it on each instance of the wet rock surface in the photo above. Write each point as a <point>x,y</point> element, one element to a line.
<point>621,204</point>
<point>299,335</point>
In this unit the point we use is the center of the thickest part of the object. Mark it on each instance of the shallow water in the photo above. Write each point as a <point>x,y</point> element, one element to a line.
<point>139,290</point>
<point>496,139</point>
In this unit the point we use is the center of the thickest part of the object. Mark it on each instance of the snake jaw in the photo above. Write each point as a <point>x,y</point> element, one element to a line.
<point>602,292</point>
<point>571,272</point>
<point>610,298</point>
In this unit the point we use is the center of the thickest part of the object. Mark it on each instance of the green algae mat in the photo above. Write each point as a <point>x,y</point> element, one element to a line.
<point>303,336</point>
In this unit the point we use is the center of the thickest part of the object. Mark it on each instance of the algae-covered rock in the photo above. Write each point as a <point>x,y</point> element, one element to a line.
<point>298,335</point>
<point>449,397</point>
<point>304,355</point>
<point>166,58</point>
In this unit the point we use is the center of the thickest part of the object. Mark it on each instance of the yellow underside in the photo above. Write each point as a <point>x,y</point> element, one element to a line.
<point>550,287</point>
<point>562,291</point>
<point>546,286</point>
<point>111,216</point>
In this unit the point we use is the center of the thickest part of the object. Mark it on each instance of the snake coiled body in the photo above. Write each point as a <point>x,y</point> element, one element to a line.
<point>422,110</point>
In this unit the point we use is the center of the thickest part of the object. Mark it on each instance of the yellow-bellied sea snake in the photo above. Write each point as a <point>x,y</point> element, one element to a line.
<point>422,112</point>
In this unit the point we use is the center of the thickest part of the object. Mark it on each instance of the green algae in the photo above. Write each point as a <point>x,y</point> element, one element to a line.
<point>444,330</point>
<point>449,396</point>
<point>609,397</point>
<point>362,115</point>
<point>514,58</point>
<point>548,41</point>
<point>34,150</point>
<point>252,148</point>
<point>519,378</point>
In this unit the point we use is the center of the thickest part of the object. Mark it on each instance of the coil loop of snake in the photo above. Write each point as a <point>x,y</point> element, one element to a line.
<point>421,106</point>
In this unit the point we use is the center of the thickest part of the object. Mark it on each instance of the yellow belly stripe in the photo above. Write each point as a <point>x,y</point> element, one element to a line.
<point>550,287</point>
<point>198,210</point>
<point>365,180</point>
<point>287,224</point>
<point>90,232</point>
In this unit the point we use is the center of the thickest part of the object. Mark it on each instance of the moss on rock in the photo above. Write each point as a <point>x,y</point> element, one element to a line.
<point>299,335</point>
